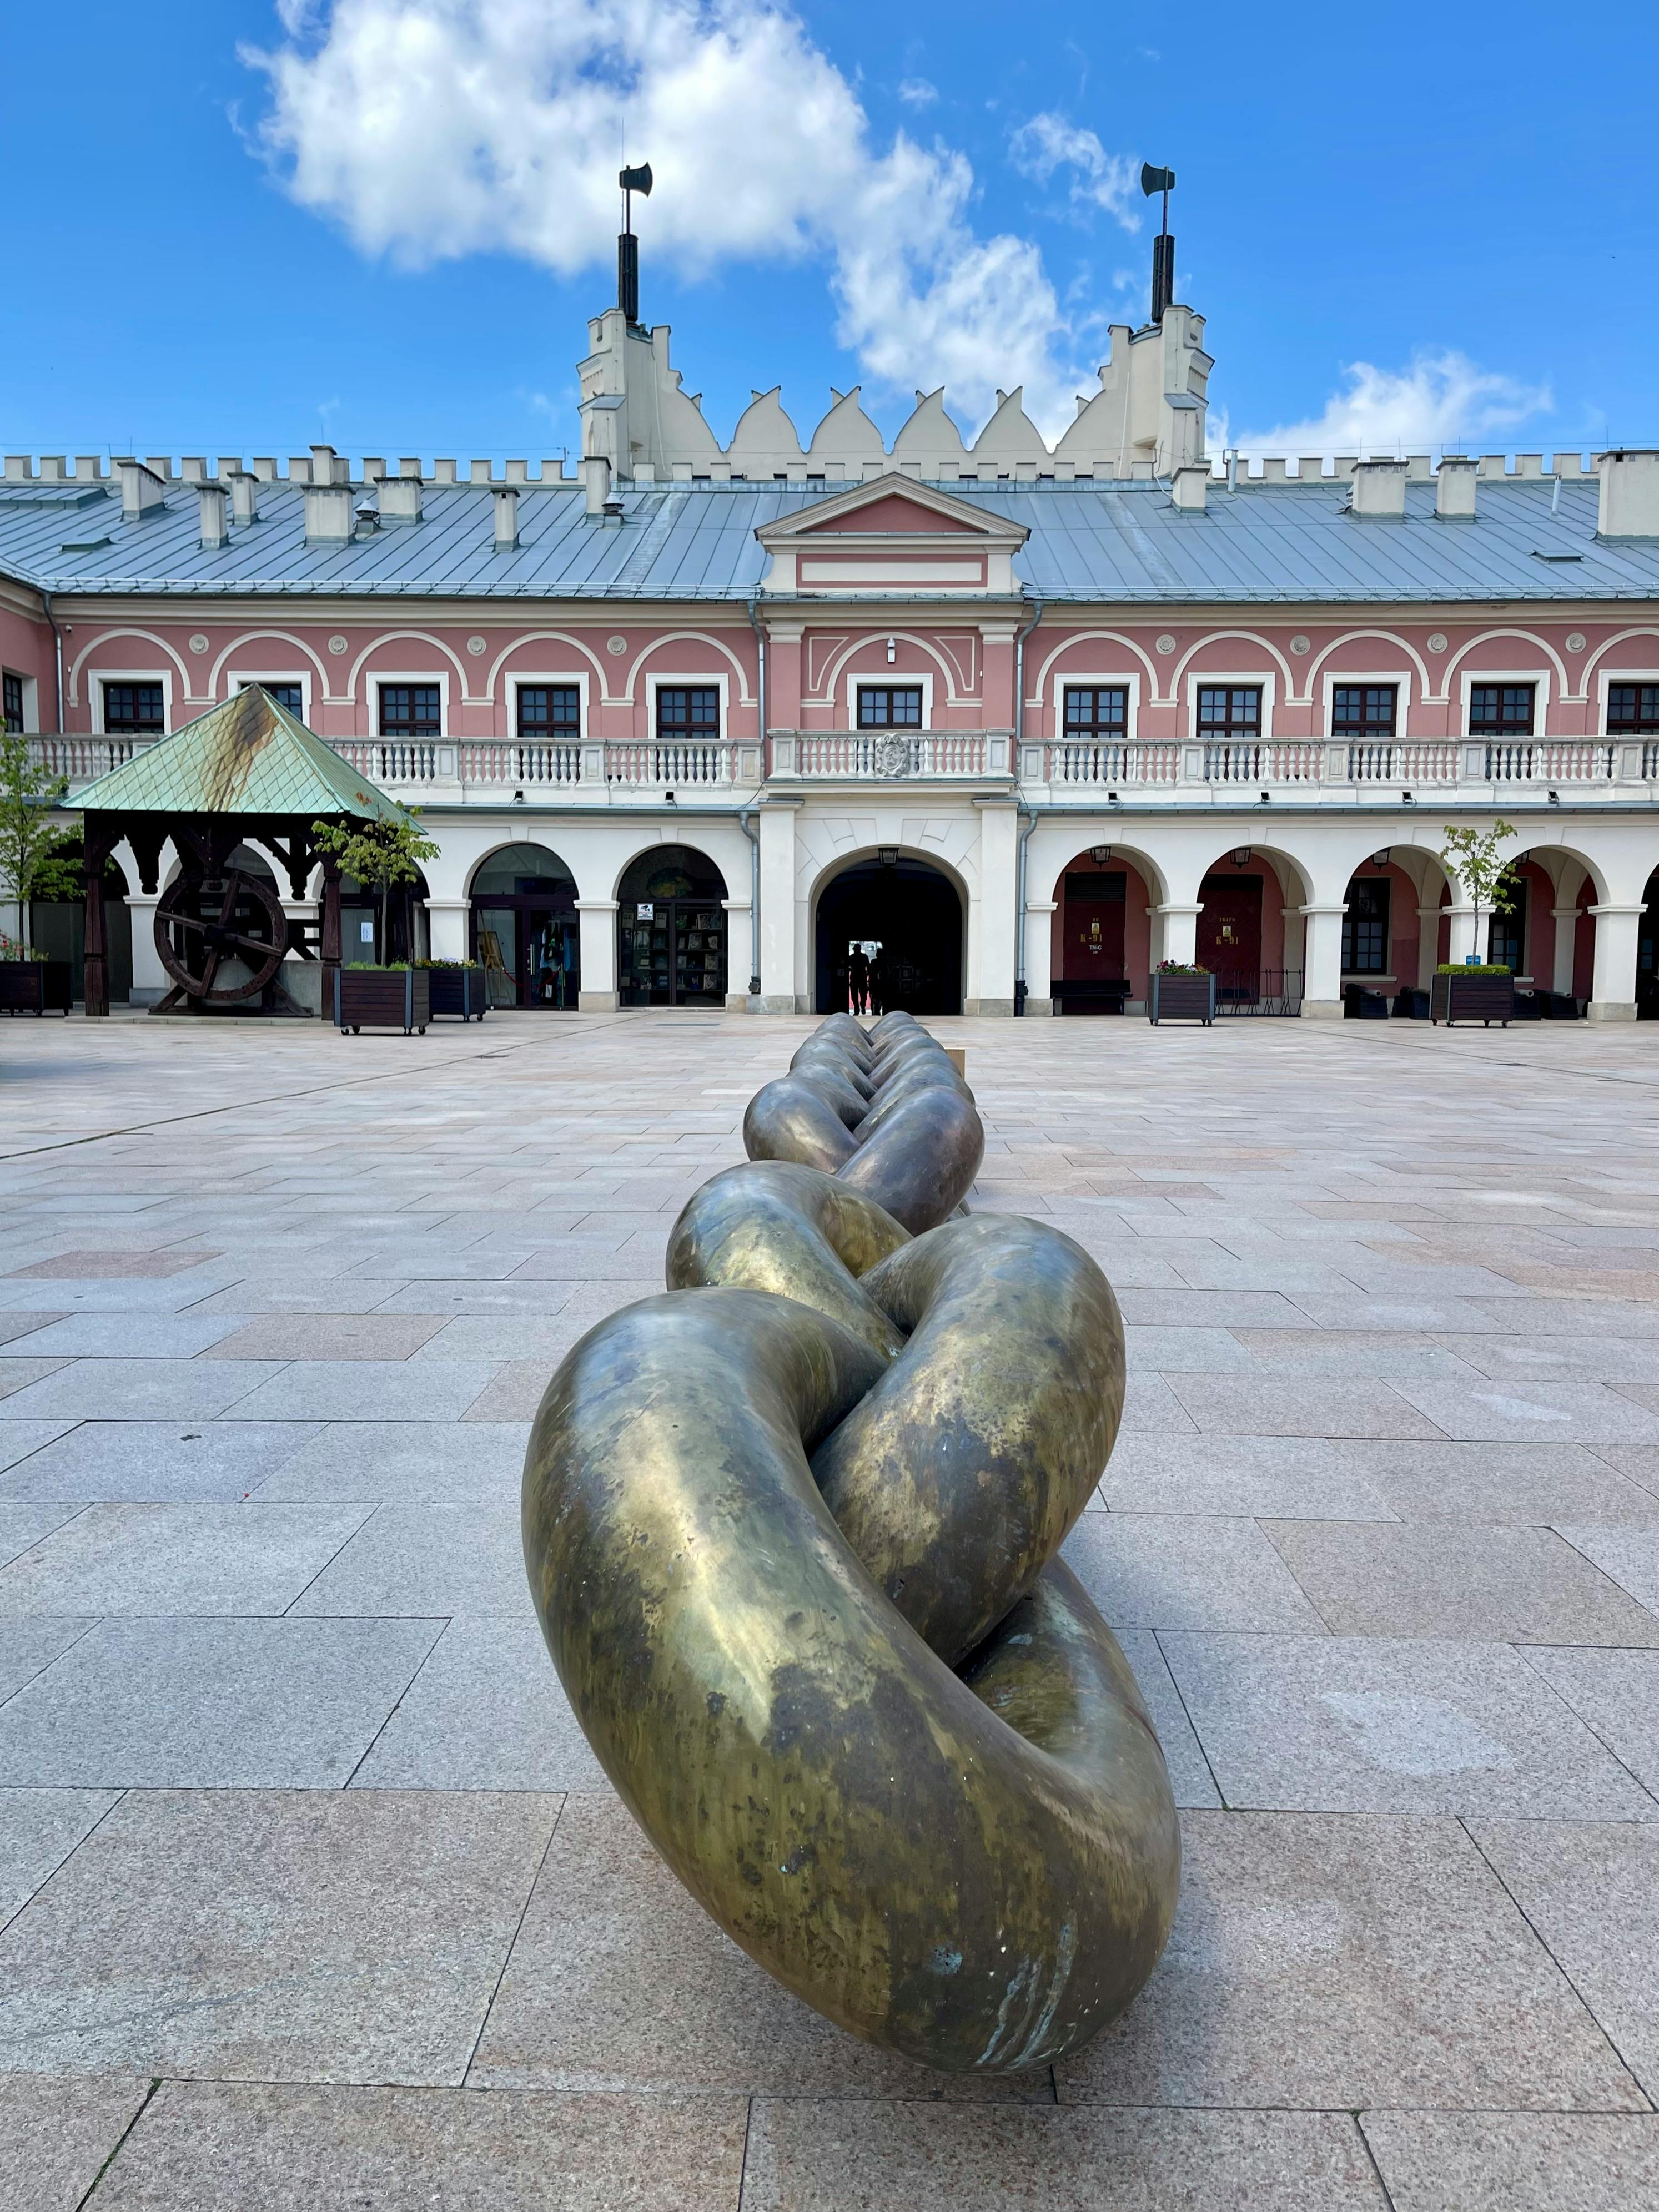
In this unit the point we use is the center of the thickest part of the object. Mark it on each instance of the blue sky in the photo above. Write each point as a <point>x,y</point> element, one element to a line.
<point>1411,225</point>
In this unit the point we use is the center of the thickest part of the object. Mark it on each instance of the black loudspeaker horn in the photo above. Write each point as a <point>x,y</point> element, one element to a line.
<point>1155,181</point>
<point>639,180</point>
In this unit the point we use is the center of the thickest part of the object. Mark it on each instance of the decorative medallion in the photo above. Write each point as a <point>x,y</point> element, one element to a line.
<point>198,643</point>
<point>890,756</point>
<point>336,643</point>
<point>1300,644</point>
<point>1575,641</point>
<point>1436,640</point>
<point>475,645</point>
<point>615,645</point>
<point>1165,643</point>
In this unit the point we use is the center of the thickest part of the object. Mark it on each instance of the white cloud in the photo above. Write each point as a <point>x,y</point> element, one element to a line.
<point>431,129</point>
<point>1441,399</point>
<point>1048,142</point>
<point>916,92</point>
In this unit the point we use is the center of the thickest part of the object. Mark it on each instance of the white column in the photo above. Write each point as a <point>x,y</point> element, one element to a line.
<point>447,925</point>
<point>999,890</point>
<point>151,980</point>
<point>1039,956</point>
<point>1428,946</point>
<point>1460,937</point>
<point>596,927</point>
<point>777,953</point>
<point>1178,939</point>
<point>1613,995</point>
<point>1296,942</point>
<point>1565,919</point>
<point>737,955</point>
<point>1322,961</point>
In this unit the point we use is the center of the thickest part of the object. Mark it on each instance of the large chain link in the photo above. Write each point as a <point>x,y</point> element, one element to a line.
<point>791,1530</point>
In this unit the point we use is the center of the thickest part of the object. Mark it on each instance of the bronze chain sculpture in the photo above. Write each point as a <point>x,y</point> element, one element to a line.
<point>791,1529</point>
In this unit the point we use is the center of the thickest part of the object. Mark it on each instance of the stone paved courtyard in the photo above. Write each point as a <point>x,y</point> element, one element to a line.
<point>311,1894</point>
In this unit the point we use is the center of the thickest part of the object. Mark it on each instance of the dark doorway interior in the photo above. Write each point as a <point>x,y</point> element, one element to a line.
<point>914,914</point>
<point>525,928</point>
<point>1230,934</point>
<point>1091,979</point>
<point>670,926</point>
<point>1647,954</point>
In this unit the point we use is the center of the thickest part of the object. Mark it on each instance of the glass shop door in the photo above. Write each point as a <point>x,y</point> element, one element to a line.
<point>673,953</point>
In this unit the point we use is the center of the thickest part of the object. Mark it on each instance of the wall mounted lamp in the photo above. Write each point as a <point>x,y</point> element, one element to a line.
<point>1405,799</point>
<point>1240,856</point>
<point>1112,799</point>
<point>1266,799</point>
<point>517,799</point>
<point>1553,797</point>
<point>892,651</point>
<point>1380,860</point>
<point>1100,854</point>
<point>888,855</point>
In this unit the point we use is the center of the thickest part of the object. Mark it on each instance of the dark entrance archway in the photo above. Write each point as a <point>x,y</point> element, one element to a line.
<point>525,928</point>
<point>913,912</point>
<point>670,926</point>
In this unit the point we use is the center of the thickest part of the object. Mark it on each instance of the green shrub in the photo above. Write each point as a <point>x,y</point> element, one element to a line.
<point>1458,968</point>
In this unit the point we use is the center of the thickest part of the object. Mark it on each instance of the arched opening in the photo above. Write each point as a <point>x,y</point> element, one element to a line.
<point>889,931</point>
<point>671,929</point>
<point>1102,933</point>
<point>1243,936</point>
<point>524,928</point>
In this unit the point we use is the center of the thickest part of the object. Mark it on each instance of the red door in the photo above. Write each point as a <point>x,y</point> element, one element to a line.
<point>1230,934</point>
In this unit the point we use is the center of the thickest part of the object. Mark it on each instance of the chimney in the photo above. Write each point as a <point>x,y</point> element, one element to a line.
<point>1187,486</point>
<point>374,468</point>
<point>329,516</point>
<point>400,495</point>
<point>596,482</point>
<point>324,468</point>
<point>1456,480</point>
<point>141,490</point>
<point>507,519</point>
<point>244,498</point>
<point>215,531</point>
<point>1379,491</point>
<point>1629,505</point>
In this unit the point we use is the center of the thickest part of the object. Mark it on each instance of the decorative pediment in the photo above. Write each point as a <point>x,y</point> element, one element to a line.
<point>892,536</point>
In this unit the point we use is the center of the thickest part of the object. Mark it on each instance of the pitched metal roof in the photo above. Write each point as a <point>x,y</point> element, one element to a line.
<point>247,755</point>
<point>1532,539</point>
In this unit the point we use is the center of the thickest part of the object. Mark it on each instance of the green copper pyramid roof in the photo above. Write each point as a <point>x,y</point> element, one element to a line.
<point>247,755</point>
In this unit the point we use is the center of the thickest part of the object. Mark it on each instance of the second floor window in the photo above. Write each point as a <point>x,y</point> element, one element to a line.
<point>291,696</point>
<point>13,703</point>
<point>1229,713</point>
<point>688,710</point>
<point>1364,710</point>
<point>1094,712</point>
<point>1632,710</point>
<point>890,706</point>
<point>133,708</point>
<point>1501,710</point>
<point>549,710</point>
<point>410,710</point>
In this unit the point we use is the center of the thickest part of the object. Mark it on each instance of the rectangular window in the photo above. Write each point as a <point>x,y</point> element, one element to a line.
<point>688,710</point>
<point>133,708</point>
<point>1366,928</point>
<point>410,710</point>
<point>890,706</point>
<point>1506,932</point>
<point>1229,712</point>
<point>291,696</point>
<point>1096,711</point>
<point>13,703</point>
<point>1501,710</point>
<point>1632,710</point>
<point>1364,710</point>
<point>549,710</point>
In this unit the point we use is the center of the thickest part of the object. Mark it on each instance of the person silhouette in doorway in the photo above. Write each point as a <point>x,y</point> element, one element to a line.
<point>858,973</point>
<point>879,984</point>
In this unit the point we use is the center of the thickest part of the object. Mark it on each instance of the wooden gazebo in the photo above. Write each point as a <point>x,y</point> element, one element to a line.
<point>248,772</point>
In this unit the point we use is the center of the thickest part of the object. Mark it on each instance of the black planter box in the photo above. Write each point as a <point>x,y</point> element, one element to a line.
<point>1485,999</point>
<point>382,998</point>
<point>35,986</point>
<point>1410,1004</point>
<point>457,991</point>
<point>1181,999</point>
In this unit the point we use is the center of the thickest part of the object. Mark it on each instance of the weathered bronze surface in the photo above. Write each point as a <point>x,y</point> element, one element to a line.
<point>791,1531</point>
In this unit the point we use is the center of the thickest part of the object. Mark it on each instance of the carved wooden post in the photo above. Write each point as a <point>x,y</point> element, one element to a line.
<point>329,947</point>
<point>95,949</point>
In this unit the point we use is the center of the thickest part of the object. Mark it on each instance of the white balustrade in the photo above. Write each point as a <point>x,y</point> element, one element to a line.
<point>82,760</point>
<point>888,755</point>
<point>671,765</point>
<point>390,760</point>
<point>509,762</point>
<point>1401,761</point>
<point>1541,760</point>
<point>1105,765</point>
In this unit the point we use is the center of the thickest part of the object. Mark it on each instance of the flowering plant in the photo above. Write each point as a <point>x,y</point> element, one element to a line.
<point>1180,968</point>
<point>11,950</point>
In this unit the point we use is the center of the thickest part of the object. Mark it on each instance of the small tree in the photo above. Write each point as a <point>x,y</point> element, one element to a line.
<point>33,861</point>
<point>379,855</point>
<point>1474,862</point>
